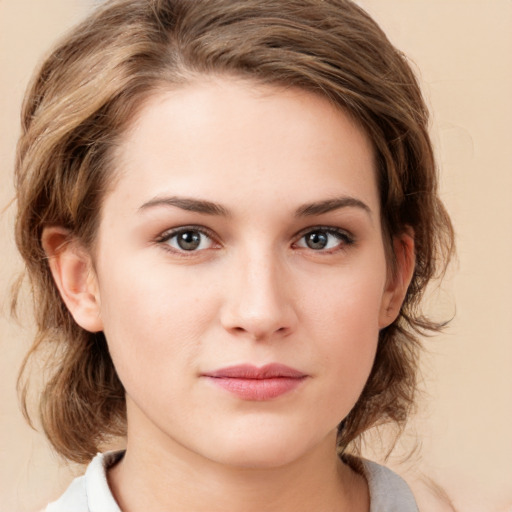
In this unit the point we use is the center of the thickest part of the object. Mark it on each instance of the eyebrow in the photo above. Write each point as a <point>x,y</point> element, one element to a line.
<point>188,204</point>
<point>321,207</point>
<point>211,208</point>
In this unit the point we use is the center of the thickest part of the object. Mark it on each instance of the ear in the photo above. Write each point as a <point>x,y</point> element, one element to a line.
<point>399,278</point>
<point>73,273</point>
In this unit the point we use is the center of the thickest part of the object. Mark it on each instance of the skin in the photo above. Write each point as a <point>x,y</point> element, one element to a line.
<point>283,168</point>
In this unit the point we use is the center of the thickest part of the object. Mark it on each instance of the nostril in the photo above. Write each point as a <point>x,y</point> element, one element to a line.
<point>260,309</point>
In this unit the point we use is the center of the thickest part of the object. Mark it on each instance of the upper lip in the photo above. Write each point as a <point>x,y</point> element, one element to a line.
<point>249,371</point>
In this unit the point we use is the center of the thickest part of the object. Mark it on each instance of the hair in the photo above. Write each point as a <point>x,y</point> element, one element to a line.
<point>82,101</point>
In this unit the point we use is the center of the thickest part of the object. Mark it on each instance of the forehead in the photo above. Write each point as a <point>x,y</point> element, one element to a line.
<point>225,138</point>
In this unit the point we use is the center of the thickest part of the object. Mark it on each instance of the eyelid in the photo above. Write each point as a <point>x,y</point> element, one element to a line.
<point>172,232</point>
<point>346,237</point>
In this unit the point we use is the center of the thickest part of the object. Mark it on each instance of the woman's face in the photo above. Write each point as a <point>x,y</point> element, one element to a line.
<point>241,273</point>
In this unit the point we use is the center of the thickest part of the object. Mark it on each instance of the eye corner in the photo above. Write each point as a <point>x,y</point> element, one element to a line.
<point>187,241</point>
<point>324,239</point>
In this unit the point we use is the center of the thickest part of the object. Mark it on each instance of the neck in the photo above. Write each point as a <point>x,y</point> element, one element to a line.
<point>160,475</point>
<point>153,481</point>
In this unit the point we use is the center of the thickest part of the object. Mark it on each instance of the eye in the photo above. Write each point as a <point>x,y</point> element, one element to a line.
<point>325,239</point>
<point>187,239</point>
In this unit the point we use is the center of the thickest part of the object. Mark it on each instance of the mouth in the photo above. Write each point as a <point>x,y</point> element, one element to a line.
<point>257,383</point>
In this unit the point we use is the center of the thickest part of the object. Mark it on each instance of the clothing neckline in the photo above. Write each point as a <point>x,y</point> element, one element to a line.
<point>92,493</point>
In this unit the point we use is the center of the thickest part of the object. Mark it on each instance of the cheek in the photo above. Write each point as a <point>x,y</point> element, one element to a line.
<point>349,300</point>
<point>344,321</point>
<point>148,322</point>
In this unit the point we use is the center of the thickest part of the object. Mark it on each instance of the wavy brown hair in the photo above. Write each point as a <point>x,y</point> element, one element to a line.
<point>82,101</point>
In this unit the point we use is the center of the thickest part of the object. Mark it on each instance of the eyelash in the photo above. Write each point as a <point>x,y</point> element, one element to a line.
<point>344,238</point>
<point>165,238</point>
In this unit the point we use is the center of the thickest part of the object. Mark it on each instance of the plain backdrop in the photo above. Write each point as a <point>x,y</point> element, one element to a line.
<point>461,50</point>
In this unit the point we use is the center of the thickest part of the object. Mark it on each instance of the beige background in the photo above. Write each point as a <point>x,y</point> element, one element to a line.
<point>463,49</point>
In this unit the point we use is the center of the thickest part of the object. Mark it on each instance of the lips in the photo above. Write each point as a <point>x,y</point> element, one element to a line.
<point>252,383</point>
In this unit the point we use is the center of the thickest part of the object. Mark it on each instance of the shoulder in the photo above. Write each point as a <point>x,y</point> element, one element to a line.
<point>388,491</point>
<point>90,492</point>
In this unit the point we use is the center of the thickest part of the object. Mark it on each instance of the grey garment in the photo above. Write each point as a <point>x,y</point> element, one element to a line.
<point>91,493</point>
<point>388,491</point>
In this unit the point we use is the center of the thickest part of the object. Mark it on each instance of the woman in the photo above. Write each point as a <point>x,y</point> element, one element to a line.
<point>228,212</point>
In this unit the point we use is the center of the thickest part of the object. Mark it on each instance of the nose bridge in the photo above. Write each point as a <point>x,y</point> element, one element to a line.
<point>259,302</point>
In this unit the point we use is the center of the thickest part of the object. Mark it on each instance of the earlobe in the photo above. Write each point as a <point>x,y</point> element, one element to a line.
<point>74,276</point>
<point>399,279</point>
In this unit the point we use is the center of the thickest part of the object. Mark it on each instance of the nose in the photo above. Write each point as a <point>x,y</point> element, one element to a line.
<point>259,302</point>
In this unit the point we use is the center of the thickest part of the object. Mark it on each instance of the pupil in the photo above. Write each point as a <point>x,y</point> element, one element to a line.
<point>316,240</point>
<point>189,240</point>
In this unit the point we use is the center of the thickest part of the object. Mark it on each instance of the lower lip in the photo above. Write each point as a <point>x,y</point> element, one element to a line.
<point>258,389</point>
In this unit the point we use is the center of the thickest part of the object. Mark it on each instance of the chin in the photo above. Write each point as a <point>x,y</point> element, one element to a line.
<point>260,451</point>
<point>252,458</point>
